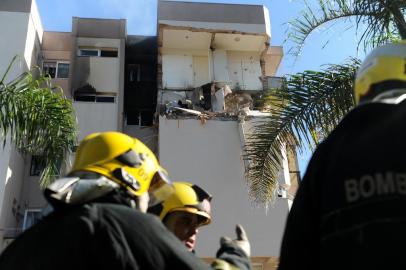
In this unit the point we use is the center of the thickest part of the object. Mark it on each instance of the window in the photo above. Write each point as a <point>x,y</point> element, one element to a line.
<point>137,118</point>
<point>94,98</point>
<point>134,74</point>
<point>37,166</point>
<point>56,69</point>
<point>31,217</point>
<point>108,53</point>
<point>63,70</point>
<point>88,52</point>
<point>96,52</point>
<point>141,73</point>
<point>49,68</point>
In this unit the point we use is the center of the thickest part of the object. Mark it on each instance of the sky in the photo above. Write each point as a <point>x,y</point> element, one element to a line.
<point>332,44</point>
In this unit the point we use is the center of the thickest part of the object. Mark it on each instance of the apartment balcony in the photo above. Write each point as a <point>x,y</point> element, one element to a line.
<point>204,42</point>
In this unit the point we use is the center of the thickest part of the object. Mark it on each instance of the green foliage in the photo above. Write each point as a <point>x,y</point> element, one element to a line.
<point>38,119</point>
<point>305,109</point>
<point>384,20</point>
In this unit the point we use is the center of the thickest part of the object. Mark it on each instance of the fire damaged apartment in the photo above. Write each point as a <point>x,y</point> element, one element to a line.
<point>189,92</point>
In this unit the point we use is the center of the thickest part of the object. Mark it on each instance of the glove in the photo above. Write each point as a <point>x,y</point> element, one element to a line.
<point>241,241</point>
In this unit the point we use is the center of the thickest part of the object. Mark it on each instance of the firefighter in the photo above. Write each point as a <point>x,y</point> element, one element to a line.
<point>349,211</point>
<point>186,210</point>
<point>98,220</point>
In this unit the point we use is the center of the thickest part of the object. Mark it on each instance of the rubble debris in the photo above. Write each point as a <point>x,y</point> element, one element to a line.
<point>236,102</point>
<point>187,111</point>
<point>214,99</point>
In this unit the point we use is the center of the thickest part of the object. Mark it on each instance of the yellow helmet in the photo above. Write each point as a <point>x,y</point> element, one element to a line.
<point>187,197</point>
<point>124,160</point>
<point>383,69</point>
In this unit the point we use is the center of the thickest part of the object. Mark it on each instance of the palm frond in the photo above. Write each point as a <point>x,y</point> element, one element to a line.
<point>384,20</point>
<point>304,110</point>
<point>38,119</point>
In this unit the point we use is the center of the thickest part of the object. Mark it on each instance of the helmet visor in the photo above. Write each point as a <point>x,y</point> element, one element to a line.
<point>160,188</point>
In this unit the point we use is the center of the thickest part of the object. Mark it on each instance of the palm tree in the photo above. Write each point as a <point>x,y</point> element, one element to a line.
<point>311,103</point>
<point>302,112</point>
<point>384,20</point>
<point>38,119</point>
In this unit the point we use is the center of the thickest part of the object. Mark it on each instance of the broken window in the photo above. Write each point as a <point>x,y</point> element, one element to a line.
<point>49,68</point>
<point>97,52</point>
<point>137,118</point>
<point>94,98</point>
<point>56,69</point>
<point>134,74</point>
<point>108,53</point>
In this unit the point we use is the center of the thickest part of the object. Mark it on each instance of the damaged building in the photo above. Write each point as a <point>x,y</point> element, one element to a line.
<point>213,60</point>
<point>189,93</point>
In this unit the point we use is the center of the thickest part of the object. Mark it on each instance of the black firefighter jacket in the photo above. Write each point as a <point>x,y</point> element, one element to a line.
<point>104,234</point>
<point>350,209</point>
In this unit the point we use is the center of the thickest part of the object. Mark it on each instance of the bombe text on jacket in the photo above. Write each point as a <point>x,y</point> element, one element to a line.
<point>371,185</point>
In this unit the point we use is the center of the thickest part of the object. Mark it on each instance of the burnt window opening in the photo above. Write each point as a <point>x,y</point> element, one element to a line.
<point>134,73</point>
<point>108,53</point>
<point>143,119</point>
<point>49,68</point>
<point>141,73</point>
<point>85,98</point>
<point>105,99</point>
<point>87,93</point>
<point>56,69</point>
<point>95,98</point>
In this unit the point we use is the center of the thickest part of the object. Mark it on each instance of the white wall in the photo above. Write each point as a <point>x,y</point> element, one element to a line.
<point>34,37</point>
<point>245,69</point>
<point>105,74</point>
<point>13,33</point>
<point>220,66</point>
<point>184,68</point>
<point>200,70</point>
<point>21,34</point>
<point>210,156</point>
<point>95,117</point>
<point>12,206</point>
<point>177,71</point>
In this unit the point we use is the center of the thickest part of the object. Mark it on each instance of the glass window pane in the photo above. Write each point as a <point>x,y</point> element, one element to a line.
<point>89,52</point>
<point>63,70</point>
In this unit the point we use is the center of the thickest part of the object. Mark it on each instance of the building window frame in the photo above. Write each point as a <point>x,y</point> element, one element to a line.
<point>56,62</point>
<point>31,213</point>
<point>99,52</point>
<point>37,166</point>
<point>82,50</point>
